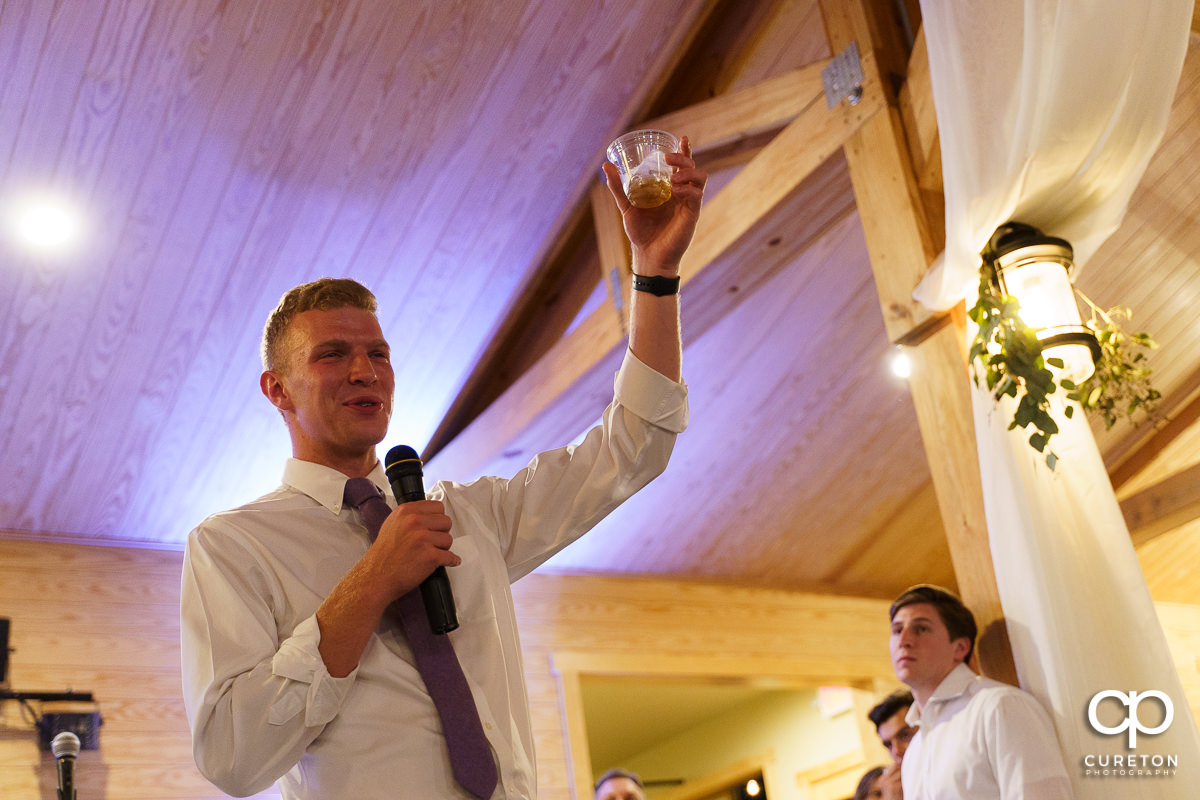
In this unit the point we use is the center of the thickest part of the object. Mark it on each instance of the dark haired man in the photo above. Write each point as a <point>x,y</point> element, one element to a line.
<point>978,738</point>
<point>890,719</point>
<point>296,666</point>
<point>620,784</point>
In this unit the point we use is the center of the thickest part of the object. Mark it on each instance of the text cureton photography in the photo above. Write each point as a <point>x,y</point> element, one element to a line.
<point>1123,709</point>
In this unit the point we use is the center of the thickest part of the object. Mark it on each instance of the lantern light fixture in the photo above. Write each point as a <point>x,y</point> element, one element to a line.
<point>1036,270</point>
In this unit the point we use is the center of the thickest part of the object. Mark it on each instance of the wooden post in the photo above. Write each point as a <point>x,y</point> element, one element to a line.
<point>902,243</point>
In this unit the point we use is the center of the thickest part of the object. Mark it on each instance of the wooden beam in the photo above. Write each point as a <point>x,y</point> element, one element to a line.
<point>898,234</point>
<point>580,762</point>
<point>902,244</point>
<point>921,132</point>
<point>1163,507</point>
<point>1142,446</point>
<point>568,388</point>
<point>941,395</point>
<point>726,120</point>
<point>917,111</point>
<point>730,669</point>
<point>801,147</point>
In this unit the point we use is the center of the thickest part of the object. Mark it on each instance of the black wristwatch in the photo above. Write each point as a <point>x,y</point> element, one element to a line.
<point>657,285</point>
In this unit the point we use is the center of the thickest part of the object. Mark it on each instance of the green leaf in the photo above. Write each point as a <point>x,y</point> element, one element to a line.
<point>1007,352</point>
<point>1046,422</point>
<point>1025,413</point>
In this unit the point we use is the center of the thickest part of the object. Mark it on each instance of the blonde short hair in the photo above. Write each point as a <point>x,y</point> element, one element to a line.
<point>323,294</point>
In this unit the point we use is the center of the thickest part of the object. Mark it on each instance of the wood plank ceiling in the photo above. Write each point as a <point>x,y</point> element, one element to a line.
<point>445,153</point>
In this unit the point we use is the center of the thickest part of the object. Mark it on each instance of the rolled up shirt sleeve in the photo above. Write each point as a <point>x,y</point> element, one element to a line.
<point>299,661</point>
<point>650,395</point>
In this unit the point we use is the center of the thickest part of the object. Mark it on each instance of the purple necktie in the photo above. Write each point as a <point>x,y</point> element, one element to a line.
<point>470,753</point>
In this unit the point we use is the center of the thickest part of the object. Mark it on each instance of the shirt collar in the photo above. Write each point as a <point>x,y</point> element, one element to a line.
<point>325,484</point>
<point>955,684</point>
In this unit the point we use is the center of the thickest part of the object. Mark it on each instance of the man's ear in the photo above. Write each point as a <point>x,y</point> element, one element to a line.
<point>272,387</point>
<point>962,646</point>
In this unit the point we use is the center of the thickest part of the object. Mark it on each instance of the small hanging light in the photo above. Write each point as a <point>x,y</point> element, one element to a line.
<point>1036,270</point>
<point>900,364</point>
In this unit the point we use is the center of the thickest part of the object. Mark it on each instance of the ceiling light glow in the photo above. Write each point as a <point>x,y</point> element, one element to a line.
<point>901,364</point>
<point>46,225</point>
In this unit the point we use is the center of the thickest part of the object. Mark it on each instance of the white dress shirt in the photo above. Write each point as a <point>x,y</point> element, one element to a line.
<point>260,702</point>
<point>980,739</point>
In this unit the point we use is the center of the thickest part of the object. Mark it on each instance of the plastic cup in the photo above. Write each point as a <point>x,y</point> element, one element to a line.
<point>640,157</point>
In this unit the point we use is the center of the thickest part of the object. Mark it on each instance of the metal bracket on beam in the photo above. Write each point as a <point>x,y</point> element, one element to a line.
<point>843,78</point>
<point>617,294</point>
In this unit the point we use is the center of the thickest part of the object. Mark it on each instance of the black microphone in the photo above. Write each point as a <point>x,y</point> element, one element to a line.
<point>403,468</point>
<point>65,747</point>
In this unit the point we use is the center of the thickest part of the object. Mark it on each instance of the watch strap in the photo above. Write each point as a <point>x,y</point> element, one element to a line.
<point>657,285</point>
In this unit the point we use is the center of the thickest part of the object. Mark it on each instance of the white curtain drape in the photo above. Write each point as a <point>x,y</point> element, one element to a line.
<point>1048,113</point>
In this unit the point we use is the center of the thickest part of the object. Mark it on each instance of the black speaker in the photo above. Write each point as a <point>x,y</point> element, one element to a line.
<point>85,725</point>
<point>4,623</point>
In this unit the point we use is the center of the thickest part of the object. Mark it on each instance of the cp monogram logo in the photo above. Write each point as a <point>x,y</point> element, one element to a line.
<point>1131,723</point>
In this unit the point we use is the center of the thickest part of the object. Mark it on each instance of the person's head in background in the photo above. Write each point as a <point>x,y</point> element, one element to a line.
<point>868,785</point>
<point>932,633</point>
<point>619,784</point>
<point>889,719</point>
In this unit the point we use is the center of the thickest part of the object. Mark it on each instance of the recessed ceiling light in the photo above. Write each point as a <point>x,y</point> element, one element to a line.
<point>45,224</point>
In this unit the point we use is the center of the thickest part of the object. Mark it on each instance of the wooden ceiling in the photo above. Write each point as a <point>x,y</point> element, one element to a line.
<point>445,154</point>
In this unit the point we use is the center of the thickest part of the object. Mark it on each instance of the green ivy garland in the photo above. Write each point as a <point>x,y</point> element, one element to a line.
<point>1010,356</point>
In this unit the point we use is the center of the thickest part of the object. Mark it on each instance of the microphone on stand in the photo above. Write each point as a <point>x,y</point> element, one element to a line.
<point>65,747</point>
<point>403,468</point>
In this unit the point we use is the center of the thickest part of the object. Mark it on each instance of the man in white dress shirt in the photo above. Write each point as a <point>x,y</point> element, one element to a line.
<point>292,670</point>
<point>978,739</point>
